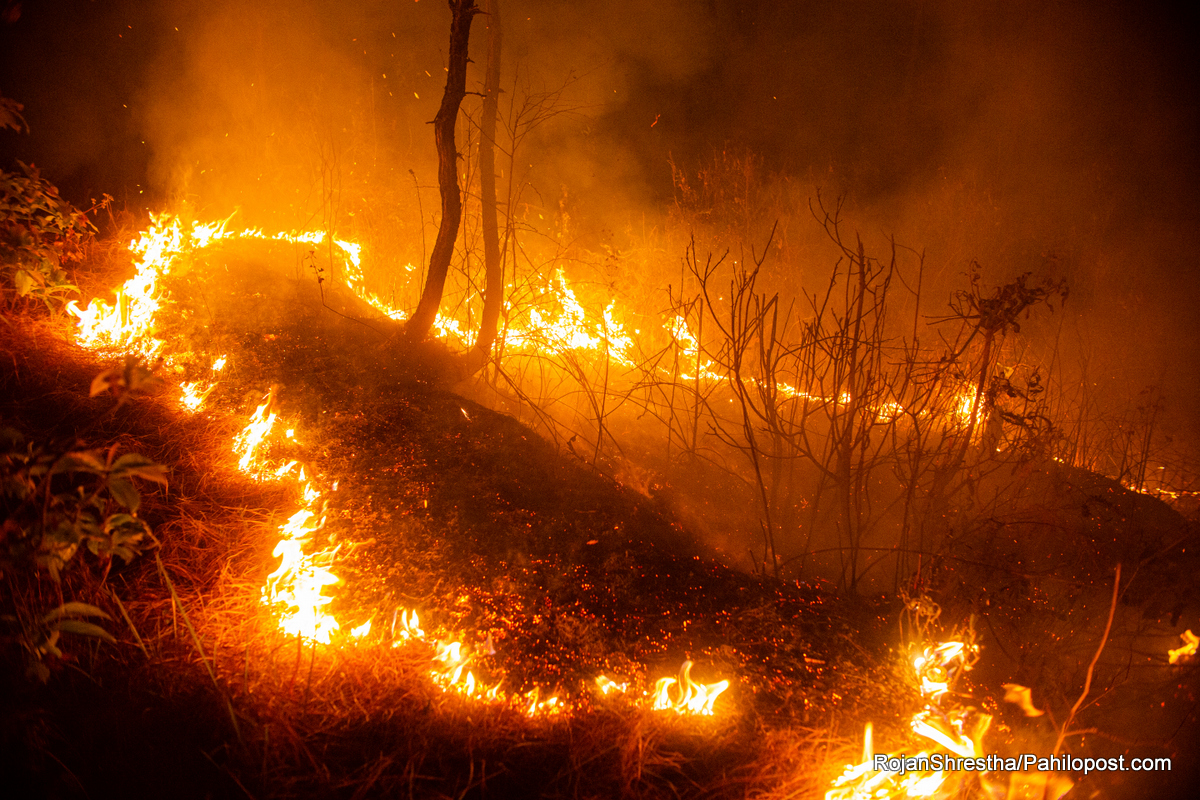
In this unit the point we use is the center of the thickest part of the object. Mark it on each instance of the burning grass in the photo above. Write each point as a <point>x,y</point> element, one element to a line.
<point>532,573</point>
<point>236,707</point>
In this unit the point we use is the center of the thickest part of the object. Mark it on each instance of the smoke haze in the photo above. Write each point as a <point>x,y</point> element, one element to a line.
<point>1059,138</point>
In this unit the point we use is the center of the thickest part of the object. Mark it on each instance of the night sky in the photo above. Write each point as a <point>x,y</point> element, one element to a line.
<point>1076,123</point>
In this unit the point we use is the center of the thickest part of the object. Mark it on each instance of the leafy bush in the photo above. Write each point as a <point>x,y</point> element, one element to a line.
<point>55,501</point>
<point>39,232</point>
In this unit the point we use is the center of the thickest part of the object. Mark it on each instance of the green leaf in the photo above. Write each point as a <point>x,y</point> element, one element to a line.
<point>56,557</point>
<point>86,527</point>
<point>24,282</point>
<point>79,461</point>
<point>125,492</point>
<point>117,525</point>
<point>74,609</point>
<point>126,554</point>
<point>138,465</point>
<point>82,628</point>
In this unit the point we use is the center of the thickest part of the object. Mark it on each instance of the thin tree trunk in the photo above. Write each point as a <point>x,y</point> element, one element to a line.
<point>493,293</point>
<point>462,11</point>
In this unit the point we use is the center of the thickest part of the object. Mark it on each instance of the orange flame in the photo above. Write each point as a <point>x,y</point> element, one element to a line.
<point>934,669</point>
<point>685,696</point>
<point>606,685</point>
<point>1190,644</point>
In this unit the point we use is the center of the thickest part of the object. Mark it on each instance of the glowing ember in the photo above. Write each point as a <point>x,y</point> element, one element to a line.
<point>1190,643</point>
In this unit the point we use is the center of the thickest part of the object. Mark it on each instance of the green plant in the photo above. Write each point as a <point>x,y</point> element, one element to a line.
<point>39,232</point>
<point>56,500</point>
<point>123,383</point>
<point>39,637</point>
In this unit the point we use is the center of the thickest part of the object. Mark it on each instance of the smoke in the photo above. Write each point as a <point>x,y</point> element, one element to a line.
<point>1058,138</point>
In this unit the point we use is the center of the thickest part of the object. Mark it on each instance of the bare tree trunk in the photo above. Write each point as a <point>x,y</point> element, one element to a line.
<point>462,11</point>
<point>493,293</point>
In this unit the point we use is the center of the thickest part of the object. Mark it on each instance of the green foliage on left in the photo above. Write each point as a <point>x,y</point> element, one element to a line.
<point>56,501</point>
<point>39,233</point>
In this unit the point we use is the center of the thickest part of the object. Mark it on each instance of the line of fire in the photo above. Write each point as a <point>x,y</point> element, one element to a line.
<point>505,400</point>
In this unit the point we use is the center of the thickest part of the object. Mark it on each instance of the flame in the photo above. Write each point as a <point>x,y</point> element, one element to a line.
<point>128,322</point>
<point>1022,696</point>
<point>299,581</point>
<point>966,405</point>
<point>557,318</point>
<point>1190,643</point>
<point>685,696</point>
<point>935,668</point>
<point>193,396</point>
<point>945,732</point>
<point>534,705</point>
<point>410,627</point>
<point>250,440</point>
<point>955,731</point>
<point>605,685</point>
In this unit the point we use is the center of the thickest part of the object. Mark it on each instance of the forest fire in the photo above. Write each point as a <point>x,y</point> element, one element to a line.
<point>556,321</point>
<point>297,586</point>
<point>641,461</point>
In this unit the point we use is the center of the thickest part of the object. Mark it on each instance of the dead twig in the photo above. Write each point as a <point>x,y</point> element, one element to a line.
<point>1065,730</point>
